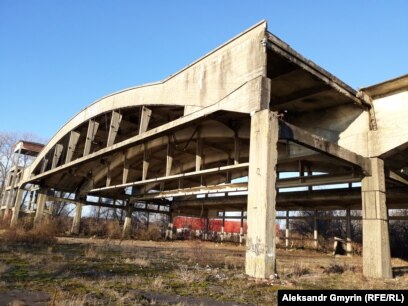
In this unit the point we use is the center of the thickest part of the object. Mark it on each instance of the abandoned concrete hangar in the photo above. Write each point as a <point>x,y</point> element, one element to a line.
<point>252,107</point>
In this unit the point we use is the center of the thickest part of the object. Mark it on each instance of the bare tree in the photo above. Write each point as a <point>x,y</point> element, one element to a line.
<point>62,208</point>
<point>7,141</point>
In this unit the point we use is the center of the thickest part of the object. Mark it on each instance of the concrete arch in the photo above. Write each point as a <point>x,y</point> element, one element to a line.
<point>205,82</point>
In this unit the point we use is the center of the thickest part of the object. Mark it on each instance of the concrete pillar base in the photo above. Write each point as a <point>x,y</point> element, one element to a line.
<point>376,243</point>
<point>127,227</point>
<point>169,232</point>
<point>76,222</point>
<point>260,266</point>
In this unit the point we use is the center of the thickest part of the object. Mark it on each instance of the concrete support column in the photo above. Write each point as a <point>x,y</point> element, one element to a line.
<point>127,225</point>
<point>223,225</point>
<point>6,213</point>
<point>376,244</point>
<point>260,247</point>
<point>206,230</point>
<point>169,231</point>
<point>241,229</point>
<point>315,231</point>
<point>76,223</point>
<point>287,230</point>
<point>17,205</point>
<point>30,200</point>
<point>349,247</point>
<point>41,199</point>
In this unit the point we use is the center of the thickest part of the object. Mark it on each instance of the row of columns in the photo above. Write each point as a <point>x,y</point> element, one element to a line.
<point>260,248</point>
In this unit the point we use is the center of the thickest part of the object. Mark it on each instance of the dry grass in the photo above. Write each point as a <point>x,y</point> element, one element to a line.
<point>92,227</point>
<point>41,234</point>
<point>107,272</point>
<point>141,262</point>
<point>339,268</point>
<point>153,233</point>
<point>158,283</point>
<point>3,268</point>
<point>186,275</point>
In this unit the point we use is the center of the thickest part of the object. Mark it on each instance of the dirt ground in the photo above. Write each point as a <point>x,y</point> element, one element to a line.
<point>83,271</point>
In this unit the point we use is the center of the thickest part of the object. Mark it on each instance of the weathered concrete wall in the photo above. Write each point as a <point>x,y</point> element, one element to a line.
<point>347,125</point>
<point>391,113</point>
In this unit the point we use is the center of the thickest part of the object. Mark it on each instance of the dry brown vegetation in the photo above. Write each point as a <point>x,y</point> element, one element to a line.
<point>26,233</point>
<point>83,271</point>
<point>40,268</point>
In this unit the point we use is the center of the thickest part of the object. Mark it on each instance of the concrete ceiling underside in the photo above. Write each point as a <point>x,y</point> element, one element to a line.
<point>299,85</point>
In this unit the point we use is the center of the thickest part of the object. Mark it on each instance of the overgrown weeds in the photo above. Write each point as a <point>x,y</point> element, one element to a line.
<point>186,275</point>
<point>153,233</point>
<point>298,270</point>
<point>141,262</point>
<point>338,268</point>
<point>40,234</point>
<point>104,251</point>
<point>101,228</point>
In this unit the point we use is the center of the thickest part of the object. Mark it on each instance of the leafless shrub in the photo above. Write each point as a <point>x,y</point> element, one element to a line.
<point>298,270</point>
<point>93,252</point>
<point>196,251</point>
<point>233,262</point>
<point>158,283</point>
<point>399,235</point>
<point>114,230</point>
<point>339,269</point>
<point>186,275</point>
<point>41,234</point>
<point>63,224</point>
<point>153,233</point>
<point>101,228</point>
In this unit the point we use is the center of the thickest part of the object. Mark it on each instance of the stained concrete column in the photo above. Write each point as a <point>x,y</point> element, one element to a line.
<point>223,225</point>
<point>287,229</point>
<point>315,231</point>
<point>30,200</point>
<point>16,208</point>
<point>76,222</point>
<point>169,231</point>
<point>260,247</point>
<point>349,247</point>
<point>127,225</point>
<point>41,199</point>
<point>241,228</point>
<point>207,223</point>
<point>376,244</point>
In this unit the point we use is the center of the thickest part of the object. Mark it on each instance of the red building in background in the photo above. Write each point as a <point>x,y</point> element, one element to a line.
<point>214,225</point>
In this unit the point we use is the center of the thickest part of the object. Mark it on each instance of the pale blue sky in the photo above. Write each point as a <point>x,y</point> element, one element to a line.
<point>56,57</point>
